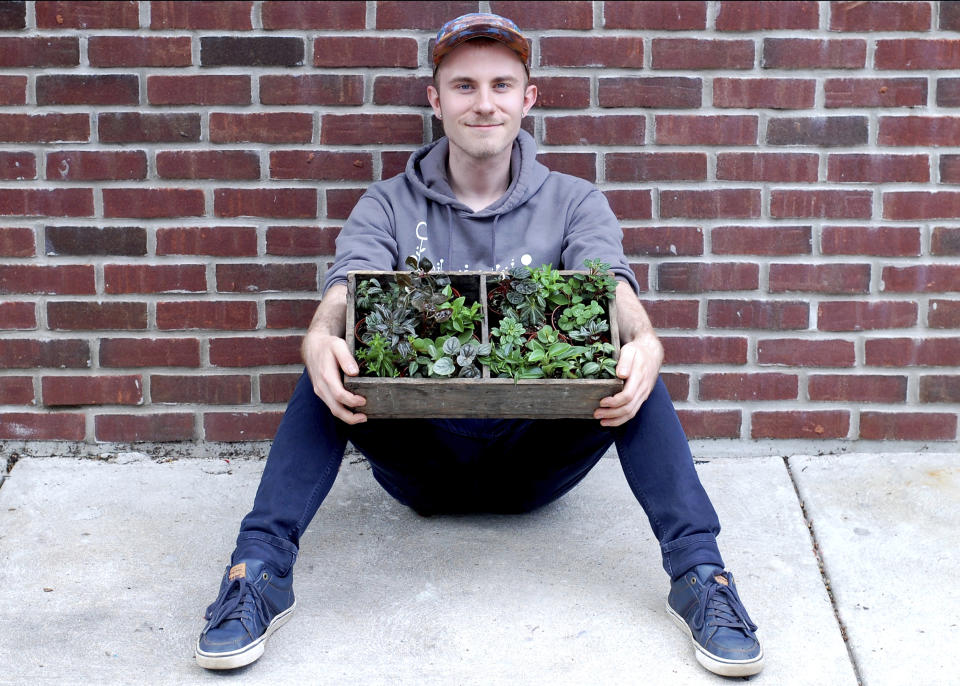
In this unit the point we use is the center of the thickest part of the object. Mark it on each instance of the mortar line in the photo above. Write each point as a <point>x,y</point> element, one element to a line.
<point>824,576</point>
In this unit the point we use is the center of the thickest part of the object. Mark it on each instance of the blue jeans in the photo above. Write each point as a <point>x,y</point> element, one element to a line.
<point>479,465</point>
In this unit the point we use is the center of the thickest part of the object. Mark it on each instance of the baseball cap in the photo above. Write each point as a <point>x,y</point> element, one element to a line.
<point>480,25</point>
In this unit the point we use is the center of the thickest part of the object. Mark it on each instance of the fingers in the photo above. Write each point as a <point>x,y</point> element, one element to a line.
<point>324,363</point>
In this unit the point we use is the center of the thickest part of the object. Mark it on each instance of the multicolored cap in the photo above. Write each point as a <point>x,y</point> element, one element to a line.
<point>480,25</point>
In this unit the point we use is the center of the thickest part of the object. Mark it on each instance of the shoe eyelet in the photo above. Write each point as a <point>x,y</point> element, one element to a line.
<point>265,576</point>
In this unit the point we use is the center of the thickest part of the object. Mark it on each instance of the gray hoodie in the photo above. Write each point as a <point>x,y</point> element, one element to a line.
<point>544,217</point>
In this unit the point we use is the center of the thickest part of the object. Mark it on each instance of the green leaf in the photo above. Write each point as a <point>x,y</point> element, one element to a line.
<point>451,346</point>
<point>444,366</point>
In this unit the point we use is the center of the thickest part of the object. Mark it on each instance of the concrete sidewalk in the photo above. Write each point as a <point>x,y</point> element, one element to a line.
<point>106,567</point>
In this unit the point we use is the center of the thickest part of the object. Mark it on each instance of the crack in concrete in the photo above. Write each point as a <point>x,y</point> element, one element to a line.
<point>8,467</point>
<point>825,577</point>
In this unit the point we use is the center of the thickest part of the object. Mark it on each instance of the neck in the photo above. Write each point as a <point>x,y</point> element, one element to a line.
<point>478,183</point>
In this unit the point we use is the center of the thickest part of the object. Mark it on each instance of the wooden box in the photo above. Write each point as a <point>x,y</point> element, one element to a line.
<point>481,397</point>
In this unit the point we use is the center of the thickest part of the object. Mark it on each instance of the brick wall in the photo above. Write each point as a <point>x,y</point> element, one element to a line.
<point>173,176</point>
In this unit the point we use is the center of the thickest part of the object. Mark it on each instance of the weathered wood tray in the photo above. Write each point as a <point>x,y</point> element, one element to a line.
<point>483,397</point>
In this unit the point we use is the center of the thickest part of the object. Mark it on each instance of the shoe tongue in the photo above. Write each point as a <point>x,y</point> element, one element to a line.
<point>238,571</point>
<point>246,568</point>
<point>705,572</point>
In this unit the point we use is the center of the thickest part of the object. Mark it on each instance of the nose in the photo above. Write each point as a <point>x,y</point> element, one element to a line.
<point>484,100</point>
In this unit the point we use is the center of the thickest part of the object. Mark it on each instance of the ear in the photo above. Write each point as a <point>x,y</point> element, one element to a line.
<point>529,98</point>
<point>433,97</point>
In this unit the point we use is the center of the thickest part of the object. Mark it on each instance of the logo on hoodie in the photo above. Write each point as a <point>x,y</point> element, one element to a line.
<point>421,233</point>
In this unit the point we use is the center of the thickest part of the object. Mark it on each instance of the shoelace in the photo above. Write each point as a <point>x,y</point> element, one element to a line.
<point>724,605</point>
<point>241,600</point>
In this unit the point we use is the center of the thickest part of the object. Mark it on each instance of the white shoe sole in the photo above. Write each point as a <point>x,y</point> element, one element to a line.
<point>244,656</point>
<point>714,663</point>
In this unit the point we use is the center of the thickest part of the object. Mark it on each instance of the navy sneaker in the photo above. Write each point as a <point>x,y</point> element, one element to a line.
<point>705,604</point>
<point>253,603</point>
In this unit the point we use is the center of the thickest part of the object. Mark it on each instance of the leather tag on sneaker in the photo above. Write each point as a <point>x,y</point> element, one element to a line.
<point>237,571</point>
<point>719,578</point>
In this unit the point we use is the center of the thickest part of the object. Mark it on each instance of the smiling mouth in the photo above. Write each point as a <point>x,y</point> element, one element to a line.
<point>483,126</point>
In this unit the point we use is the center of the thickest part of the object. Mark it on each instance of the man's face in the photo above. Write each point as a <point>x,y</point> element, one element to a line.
<point>481,94</point>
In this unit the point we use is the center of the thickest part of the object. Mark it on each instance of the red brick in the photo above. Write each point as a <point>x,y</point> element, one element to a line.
<point>813,53</point>
<point>412,90</point>
<point>394,162</point>
<point>13,15</point>
<point>13,90</point>
<point>865,316</point>
<point>370,129</point>
<point>93,240</point>
<point>921,205</point>
<point>760,240</point>
<point>231,389</point>
<point>321,165</point>
<point>224,241</point>
<point>944,314</point>
<point>704,350</point>
<point>151,203</point>
<point>199,89</point>
<point>758,16</point>
<point>917,53</point>
<point>15,166</point>
<point>208,164</point>
<point>341,201</point>
<point>229,315</point>
<point>775,167</point>
<point>149,352</point>
<point>39,52</point>
<point>137,51</point>
<point>919,131</point>
<point>136,127</point>
<point>948,92</point>
<point>255,51</point>
<point>651,16</point>
<point>663,240</point>
<point>535,16</point>
<point>58,202</point>
<point>673,92</point>
<point>878,168</point>
<point>642,273</point>
<point>232,15</point>
<point>757,314</point>
<point>884,241</point>
<point>583,165</point>
<point>875,92</point>
<point>277,388</point>
<point>102,165</point>
<point>44,128</point>
<point>133,428</point>
<point>949,168</point>
<point>430,16</point>
<point>16,242</point>
<point>700,54</point>
<point>805,425</point>
<point>656,166</point>
<point>611,129</point>
<point>819,278</point>
<point>16,390</point>
<point>945,241</point>
<point>17,315</point>
<point>723,202</point>
<point>255,351</point>
<point>806,353</point>
<point>781,94</point>
<point>74,279</point>
<point>718,424</point>
<point>83,89</point>
<point>624,52</point>
<point>678,385</point>
<point>817,131</point>
<point>682,129</point>
<point>949,16</point>
<point>698,277</point>
<point>312,89</point>
<point>260,278</point>
<point>241,426</point>
<point>16,353</point>
<point>927,278</point>
<point>90,316</point>
<point>341,16</point>
<point>908,426</point>
<point>631,204</point>
<point>740,387</point>
<point>266,127</point>
<point>91,390</point>
<point>879,16</point>
<point>672,314</point>
<point>163,278</point>
<point>904,352</point>
<point>290,314</point>
<point>291,203</point>
<point>933,389</point>
<point>841,204</point>
<point>364,51</point>
<point>868,388</point>
<point>104,14</point>
<point>301,240</point>
<point>59,426</point>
